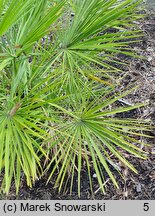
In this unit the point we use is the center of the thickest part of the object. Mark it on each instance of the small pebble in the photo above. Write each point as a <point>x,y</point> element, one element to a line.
<point>149,49</point>
<point>139,188</point>
<point>149,58</point>
<point>94,175</point>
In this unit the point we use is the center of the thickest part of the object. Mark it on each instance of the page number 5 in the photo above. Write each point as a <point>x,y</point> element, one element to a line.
<point>146,206</point>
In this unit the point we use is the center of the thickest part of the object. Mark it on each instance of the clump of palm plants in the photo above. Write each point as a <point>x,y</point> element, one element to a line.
<point>58,90</point>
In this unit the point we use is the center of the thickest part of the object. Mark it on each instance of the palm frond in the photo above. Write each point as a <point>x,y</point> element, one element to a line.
<point>97,134</point>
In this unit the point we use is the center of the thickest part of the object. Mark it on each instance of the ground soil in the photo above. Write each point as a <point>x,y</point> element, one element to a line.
<point>134,186</point>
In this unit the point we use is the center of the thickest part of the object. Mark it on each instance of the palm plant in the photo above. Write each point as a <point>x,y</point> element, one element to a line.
<point>58,94</point>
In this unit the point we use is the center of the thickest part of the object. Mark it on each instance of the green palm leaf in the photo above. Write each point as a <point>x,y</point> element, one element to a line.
<point>98,136</point>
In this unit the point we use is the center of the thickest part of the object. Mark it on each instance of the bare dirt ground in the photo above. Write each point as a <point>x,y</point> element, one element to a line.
<point>134,187</point>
